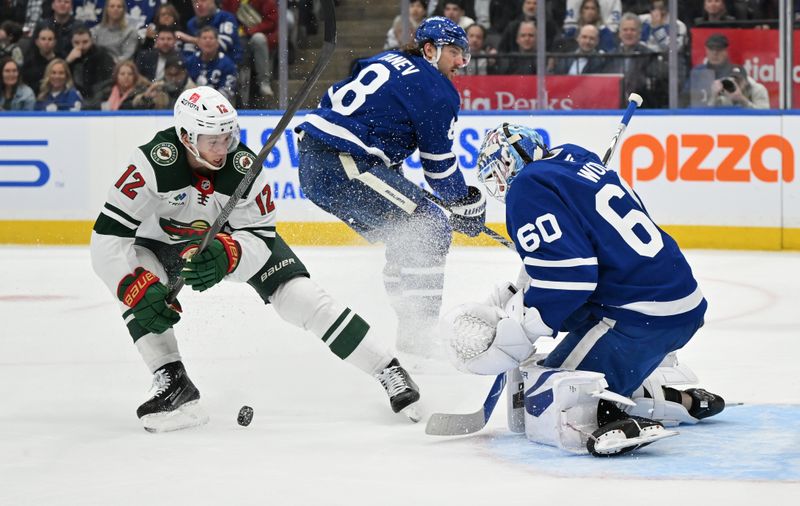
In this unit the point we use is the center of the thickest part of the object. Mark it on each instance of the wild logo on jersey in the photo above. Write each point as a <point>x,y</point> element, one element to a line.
<point>179,231</point>
<point>164,153</point>
<point>242,161</point>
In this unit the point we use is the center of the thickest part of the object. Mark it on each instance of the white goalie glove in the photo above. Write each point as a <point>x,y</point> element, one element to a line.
<point>487,339</point>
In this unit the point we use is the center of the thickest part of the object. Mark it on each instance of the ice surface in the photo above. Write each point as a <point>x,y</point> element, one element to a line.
<point>323,433</point>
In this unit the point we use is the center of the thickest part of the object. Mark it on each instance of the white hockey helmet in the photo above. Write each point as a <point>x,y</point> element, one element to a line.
<point>505,151</point>
<point>205,111</point>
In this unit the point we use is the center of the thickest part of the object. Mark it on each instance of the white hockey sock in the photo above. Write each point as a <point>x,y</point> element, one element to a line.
<point>303,303</point>
<point>157,350</point>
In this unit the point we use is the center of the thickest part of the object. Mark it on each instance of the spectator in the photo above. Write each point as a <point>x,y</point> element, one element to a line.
<point>715,66</point>
<point>454,10</point>
<point>210,66</point>
<point>502,13</point>
<point>114,33</point>
<point>40,55</point>
<point>163,94</point>
<point>126,83</point>
<point>13,10</point>
<point>525,43</point>
<point>586,59</point>
<point>62,23</point>
<point>714,11</point>
<point>589,15</point>
<point>140,14</point>
<point>643,70</point>
<point>91,66</point>
<point>16,96</point>
<point>739,90</point>
<point>478,64</point>
<point>10,34</point>
<point>610,11</point>
<point>223,22</point>
<point>57,92</point>
<point>655,28</point>
<point>34,11</point>
<point>151,63</point>
<point>165,15</point>
<point>417,10</point>
<point>528,13</point>
<point>259,29</point>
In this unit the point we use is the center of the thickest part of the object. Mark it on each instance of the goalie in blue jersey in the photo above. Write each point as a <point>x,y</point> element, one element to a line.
<point>599,269</point>
<point>351,153</point>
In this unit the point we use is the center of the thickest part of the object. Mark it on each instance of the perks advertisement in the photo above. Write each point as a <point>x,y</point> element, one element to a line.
<point>519,93</point>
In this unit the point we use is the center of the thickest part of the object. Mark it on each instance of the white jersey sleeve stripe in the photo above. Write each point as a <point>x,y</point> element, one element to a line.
<point>345,134</point>
<point>118,218</point>
<point>442,175</point>
<point>563,285</point>
<point>586,344</point>
<point>568,262</point>
<point>438,158</point>
<point>669,308</point>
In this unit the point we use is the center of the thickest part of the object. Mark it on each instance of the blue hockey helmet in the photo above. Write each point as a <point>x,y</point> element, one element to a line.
<point>443,32</point>
<point>505,151</point>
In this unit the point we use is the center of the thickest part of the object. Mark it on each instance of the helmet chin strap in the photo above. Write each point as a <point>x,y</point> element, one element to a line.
<point>435,61</point>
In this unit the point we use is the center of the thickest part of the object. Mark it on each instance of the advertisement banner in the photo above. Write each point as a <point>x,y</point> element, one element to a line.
<point>757,51</point>
<point>723,174</point>
<point>519,93</point>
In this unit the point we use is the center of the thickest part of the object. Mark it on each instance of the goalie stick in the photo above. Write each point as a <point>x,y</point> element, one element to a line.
<point>455,424</point>
<point>328,47</point>
<point>444,424</point>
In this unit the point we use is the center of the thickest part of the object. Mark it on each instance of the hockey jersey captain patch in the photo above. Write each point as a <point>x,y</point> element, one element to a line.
<point>164,154</point>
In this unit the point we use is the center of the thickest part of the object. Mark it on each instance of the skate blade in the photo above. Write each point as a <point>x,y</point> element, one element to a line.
<point>612,445</point>
<point>412,412</point>
<point>188,415</point>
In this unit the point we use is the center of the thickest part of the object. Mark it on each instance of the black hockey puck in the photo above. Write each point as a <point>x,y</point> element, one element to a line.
<point>245,416</point>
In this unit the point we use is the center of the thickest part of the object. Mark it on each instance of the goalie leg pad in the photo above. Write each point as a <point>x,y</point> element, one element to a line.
<point>560,406</point>
<point>650,400</point>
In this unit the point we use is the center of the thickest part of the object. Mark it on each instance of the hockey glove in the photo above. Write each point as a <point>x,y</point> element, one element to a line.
<point>143,292</point>
<point>206,269</point>
<point>469,213</point>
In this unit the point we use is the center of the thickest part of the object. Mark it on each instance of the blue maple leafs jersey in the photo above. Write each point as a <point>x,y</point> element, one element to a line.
<point>590,247</point>
<point>391,105</point>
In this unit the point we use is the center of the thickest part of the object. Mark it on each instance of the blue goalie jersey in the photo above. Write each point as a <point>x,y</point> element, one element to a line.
<point>590,247</point>
<point>393,104</point>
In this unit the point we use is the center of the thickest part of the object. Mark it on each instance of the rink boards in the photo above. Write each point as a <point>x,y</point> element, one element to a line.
<point>713,180</point>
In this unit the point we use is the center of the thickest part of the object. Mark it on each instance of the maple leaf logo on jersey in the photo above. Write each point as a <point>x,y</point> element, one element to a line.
<point>179,231</point>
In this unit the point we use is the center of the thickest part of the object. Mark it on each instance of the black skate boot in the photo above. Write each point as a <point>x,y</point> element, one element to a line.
<point>620,433</point>
<point>402,390</point>
<point>175,401</point>
<point>704,403</point>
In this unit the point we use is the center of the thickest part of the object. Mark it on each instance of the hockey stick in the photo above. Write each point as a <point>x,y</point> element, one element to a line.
<point>328,47</point>
<point>444,424</point>
<point>486,230</point>
<point>454,424</point>
<point>634,101</point>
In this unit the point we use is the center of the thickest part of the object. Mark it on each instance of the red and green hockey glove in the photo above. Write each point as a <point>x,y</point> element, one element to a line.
<point>142,292</point>
<point>206,269</point>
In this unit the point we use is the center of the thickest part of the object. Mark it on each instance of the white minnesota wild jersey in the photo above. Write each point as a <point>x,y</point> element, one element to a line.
<point>158,196</point>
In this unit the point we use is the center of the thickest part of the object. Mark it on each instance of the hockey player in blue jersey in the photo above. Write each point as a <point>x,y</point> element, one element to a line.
<point>599,269</point>
<point>351,153</point>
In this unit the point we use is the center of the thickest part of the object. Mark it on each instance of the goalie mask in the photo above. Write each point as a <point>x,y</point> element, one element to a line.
<point>505,151</point>
<point>204,111</point>
<point>442,32</point>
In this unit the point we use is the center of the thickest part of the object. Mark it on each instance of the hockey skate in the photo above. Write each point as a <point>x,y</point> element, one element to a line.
<point>403,392</point>
<point>175,401</point>
<point>620,433</point>
<point>704,403</point>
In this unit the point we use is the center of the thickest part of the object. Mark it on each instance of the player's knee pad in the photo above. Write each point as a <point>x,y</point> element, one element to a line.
<point>301,302</point>
<point>561,406</point>
<point>649,397</point>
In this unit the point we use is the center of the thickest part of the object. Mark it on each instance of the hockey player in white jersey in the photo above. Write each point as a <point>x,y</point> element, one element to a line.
<point>599,269</point>
<point>147,234</point>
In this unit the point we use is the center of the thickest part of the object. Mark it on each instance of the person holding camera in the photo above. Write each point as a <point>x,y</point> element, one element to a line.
<point>740,90</point>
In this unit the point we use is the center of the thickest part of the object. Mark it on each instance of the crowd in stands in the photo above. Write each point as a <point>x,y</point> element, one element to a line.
<point>631,38</point>
<point>67,55</point>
